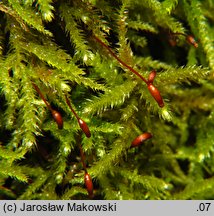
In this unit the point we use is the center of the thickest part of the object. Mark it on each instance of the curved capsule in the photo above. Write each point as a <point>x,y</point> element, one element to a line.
<point>140,139</point>
<point>190,39</point>
<point>155,94</point>
<point>152,76</point>
<point>89,184</point>
<point>58,118</point>
<point>84,127</point>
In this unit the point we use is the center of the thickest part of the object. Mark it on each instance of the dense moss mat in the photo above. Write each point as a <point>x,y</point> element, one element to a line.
<point>80,49</point>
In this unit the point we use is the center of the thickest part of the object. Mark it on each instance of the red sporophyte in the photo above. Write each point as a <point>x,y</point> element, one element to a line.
<point>81,123</point>
<point>189,38</point>
<point>152,89</point>
<point>87,177</point>
<point>55,114</point>
<point>58,118</point>
<point>84,127</point>
<point>156,94</point>
<point>119,60</point>
<point>89,184</point>
<point>152,76</point>
<point>140,139</point>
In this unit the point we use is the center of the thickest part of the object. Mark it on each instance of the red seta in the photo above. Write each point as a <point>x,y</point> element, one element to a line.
<point>152,89</point>
<point>81,123</point>
<point>55,114</point>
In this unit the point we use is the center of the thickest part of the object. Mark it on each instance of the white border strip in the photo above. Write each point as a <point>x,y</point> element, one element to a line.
<point>111,207</point>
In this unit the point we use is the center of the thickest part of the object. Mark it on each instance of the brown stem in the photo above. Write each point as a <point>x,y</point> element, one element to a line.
<point>55,114</point>
<point>120,61</point>
<point>81,123</point>
<point>154,92</point>
<point>82,156</point>
<point>71,108</point>
<point>42,96</point>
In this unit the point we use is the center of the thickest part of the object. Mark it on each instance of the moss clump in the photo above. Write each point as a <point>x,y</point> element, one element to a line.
<point>53,45</point>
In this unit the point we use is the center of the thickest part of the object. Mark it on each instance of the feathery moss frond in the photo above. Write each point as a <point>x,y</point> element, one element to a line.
<point>162,18</point>
<point>201,28</point>
<point>169,5</point>
<point>44,6</point>
<point>196,189</point>
<point>13,171</point>
<point>147,182</point>
<point>41,178</point>
<point>118,94</point>
<point>183,74</point>
<point>138,25</point>
<point>75,33</point>
<point>29,16</point>
<point>46,9</point>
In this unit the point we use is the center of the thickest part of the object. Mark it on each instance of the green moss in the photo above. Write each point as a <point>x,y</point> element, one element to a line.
<point>53,44</point>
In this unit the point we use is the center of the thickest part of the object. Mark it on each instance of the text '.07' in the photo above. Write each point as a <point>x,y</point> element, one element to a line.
<point>204,207</point>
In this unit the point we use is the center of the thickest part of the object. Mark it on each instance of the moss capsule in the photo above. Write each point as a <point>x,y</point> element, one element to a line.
<point>89,184</point>
<point>84,127</point>
<point>155,94</point>
<point>58,118</point>
<point>191,40</point>
<point>140,139</point>
<point>152,76</point>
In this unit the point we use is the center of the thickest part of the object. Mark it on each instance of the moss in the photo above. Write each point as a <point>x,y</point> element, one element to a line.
<point>90,61</point>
